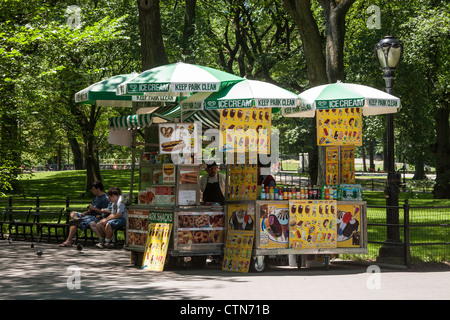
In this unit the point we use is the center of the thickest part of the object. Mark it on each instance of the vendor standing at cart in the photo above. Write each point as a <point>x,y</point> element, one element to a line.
<point>213,185</point>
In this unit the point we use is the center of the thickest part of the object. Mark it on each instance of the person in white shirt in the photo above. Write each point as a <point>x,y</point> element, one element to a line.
<point>116,219</point>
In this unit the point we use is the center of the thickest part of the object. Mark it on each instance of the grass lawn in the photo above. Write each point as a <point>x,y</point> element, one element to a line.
<point>57,185</point>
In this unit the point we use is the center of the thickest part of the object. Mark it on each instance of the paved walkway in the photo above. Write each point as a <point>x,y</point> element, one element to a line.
<point>65,273</point>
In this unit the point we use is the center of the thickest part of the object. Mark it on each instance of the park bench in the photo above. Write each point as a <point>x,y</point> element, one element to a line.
<point>22,220</point>
<point>60,224</point>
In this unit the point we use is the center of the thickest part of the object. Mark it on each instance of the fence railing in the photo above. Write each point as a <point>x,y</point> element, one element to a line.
<point>423,232</point>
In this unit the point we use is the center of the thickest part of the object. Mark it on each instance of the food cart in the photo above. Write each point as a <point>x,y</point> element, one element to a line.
<point>169,193</point>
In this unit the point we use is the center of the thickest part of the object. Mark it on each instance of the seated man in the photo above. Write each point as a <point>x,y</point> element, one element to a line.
<point>116,219</point>
<point>82,220</point>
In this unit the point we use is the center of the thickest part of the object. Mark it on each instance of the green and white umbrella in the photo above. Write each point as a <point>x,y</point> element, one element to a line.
<point>103,93</point>
<point>177,79</point>
<point>244,94</point>
<point>344,95</point>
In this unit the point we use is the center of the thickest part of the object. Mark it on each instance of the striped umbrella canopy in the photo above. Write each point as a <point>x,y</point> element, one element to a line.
<point>177,79</point>
<point>344,95</point>
<point>245,94</point>
<point>103,93</point>
<point>208,118</point>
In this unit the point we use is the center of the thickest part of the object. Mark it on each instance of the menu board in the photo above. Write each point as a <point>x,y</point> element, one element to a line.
<point>161,195</point>
<point>197,228</point>
<point>241,216</point>
<point>312,224</point>
<point>137,230</point>
<point>332,165</point>
<point>156,248</point>
<point>348,226</point>
<point>274,225</point>
<point>245,130</point>
<point>238,251</point>
<point>341,126</point>
<point>243,182</point>
<point>178,138</point>
<point>347,160</point>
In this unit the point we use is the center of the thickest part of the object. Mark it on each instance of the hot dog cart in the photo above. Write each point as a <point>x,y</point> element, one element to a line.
<point>246,231</point>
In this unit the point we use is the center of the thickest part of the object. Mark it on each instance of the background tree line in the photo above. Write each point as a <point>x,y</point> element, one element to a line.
<point>45,58</point>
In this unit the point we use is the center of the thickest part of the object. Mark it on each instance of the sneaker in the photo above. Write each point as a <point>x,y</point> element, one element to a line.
<point>109,244</point>
<point>101,244</point>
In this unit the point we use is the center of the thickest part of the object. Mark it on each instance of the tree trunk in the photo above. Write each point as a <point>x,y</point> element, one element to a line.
<point>189,28</point>
<point>76,152</point>
<point>442,153</point>
<point>300,11</point>
<point>371,156</point>
<point>322,68</point>
<point>335,12</point>
<point>153,53</point>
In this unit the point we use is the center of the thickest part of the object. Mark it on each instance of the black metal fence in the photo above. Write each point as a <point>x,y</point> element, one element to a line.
<point>423,232</point>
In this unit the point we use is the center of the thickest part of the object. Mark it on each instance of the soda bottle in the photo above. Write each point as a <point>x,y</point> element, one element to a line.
<point>327,193</point>
<point>272,193</point>
<point>267,193</point>
<point>263,192</point>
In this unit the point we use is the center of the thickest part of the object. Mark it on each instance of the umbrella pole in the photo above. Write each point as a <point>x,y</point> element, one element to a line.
<point>133,164</point>
<point>133,157</point>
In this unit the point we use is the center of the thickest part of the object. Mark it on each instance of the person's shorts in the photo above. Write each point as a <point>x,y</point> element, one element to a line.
<point>117,223</point>
<point>85,221</point>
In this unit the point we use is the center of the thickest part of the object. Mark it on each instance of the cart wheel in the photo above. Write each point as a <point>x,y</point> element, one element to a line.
<point>326,261</point>
<point>258,264</point>
<point>198,261</point>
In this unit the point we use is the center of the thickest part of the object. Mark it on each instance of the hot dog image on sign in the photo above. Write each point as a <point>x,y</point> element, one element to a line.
<point>177,138</point>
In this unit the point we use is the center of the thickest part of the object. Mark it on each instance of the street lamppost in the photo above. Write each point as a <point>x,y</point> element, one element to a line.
<point>388,52</point>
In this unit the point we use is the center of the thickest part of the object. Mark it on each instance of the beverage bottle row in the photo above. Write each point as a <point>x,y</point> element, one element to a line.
<point>335,192</point>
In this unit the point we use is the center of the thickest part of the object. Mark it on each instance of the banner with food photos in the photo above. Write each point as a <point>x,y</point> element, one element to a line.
<point>338,127</point>
<point>243,182</point>
<point>332,165</point>
<point>245,130</point>
<point>312,224</point>
<point>156,248</point>
<point>178,138</point>
<point>347,162</point>
<point>349,226</point>
<point>238,250</point>
<point>273,225</point>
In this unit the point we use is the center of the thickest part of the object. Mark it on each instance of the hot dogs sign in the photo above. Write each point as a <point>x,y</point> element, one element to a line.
<point>178,138</point>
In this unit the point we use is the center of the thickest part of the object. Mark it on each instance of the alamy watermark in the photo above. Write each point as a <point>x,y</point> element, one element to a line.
<point>374,280</point>
<point>74,280</point>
